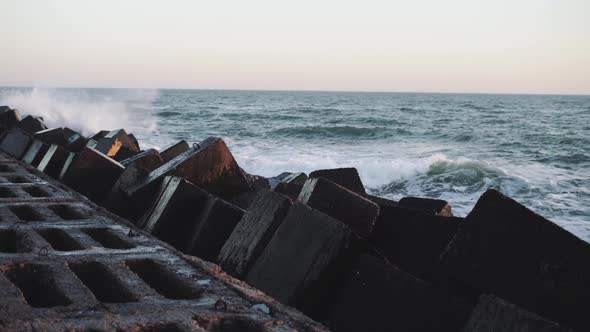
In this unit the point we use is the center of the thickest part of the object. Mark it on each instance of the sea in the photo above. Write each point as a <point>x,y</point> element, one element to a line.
<point>533,148</point>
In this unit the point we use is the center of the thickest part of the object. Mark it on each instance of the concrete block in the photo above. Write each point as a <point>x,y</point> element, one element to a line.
<point>253,232</point>
<point>174,150</point>
<point>176,211</point>
<point>508,250</point>
<point>439,206</point>
<point>148,160</point>
<point>413,240</point>
<point>92,174</point>
<point>209,165</point>
<point>15,142</point>
<point>334,200</point>
<point>65,137</point>
<point>304,247</point>
<point>382,202</point>
<point>291,190</point>
<point>35,153</point>
<point>215,224</point>
<point>117,145</point>
<point>53,161</point>
<point>286,177</point>
<point>377,296</point>
<point>32,124</point>
<point>346,177</point>
<point>494,314</point>
<point>9,117</point>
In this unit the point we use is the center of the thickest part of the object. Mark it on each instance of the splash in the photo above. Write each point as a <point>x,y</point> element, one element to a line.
<point>87,111</point>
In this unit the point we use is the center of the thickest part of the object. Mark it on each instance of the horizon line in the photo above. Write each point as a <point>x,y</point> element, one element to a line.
<point>304,90</point>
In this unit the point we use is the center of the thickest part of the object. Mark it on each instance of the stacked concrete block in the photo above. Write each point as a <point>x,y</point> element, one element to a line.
<point>32,124</point>
<point>436,206</point>
<point>64,137</point>
<point>508,250</point>
<point>346,177</point>
<point>53,161</point>
<point>174,150</point>
<point>66,264</point>
<point>117,144</point>
<point>15,142</point>
<point>332,199</point>
<point>305,251</point>
<point>253,232</point>
<point>35,152</point>
<point>91,173</point>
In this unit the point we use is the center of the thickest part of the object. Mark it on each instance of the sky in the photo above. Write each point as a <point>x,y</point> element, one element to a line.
<point>496,46</point>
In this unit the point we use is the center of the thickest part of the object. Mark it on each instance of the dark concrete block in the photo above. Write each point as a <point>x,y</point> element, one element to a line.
<point>92,174</point>
<point>508,250</point>
<point>377,296</point>
<point>117,145</point>
<point>355,211</point>
<point>9,117</point>
<point>15,142</point>
<point>383,202</point>
<point>253,232</point>
<point>286,177</point>
<point>494,314</point>
<point>413,240</point>
<point>174,150</point>
<point>217,221</point>
<point>305,246</point>
<point>291,190</point>
<point>346,177</point>
<point>209,165</point>
<point>53,161</point>
<point>439,206</point>
<point>35,153</point>
<point>32,124</point>
<point>175,212</point>
<point>64,137</point>
<point>148,160</point>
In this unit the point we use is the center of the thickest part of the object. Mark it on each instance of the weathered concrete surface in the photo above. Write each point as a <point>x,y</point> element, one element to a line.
<point>414,240</point>
<point>92,174</point>
<point>438,206</point>
<point>35,153</point>
<point>253,232</point>
<point>174,150</point>
<point>32,124</point>
<point>334,200</point>
<point>53,161</point>
<point>346,177</point>
<point>508,250</point>
<point>377,296</point>
<point>117,145</point>
<point>302,249</point>
<point>494,314</point>
<point>15,142</point>
<point>209,165</point>
<point>70,265</point>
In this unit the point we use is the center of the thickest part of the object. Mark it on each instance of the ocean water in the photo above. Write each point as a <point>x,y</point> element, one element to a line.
<point>534,148</point>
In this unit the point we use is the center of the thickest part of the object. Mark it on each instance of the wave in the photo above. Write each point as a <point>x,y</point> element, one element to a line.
<point>87,111</point>
<point>337,131</point>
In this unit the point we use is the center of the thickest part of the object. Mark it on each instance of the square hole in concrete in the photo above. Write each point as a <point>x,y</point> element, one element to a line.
<point>7,193</point>
<point>67,212</point>
<point>6,169</point>
<point>102,282</point>
<point>229,324</point>
<point>38,285</point>
<point>163,281</point>
<point>26,213</point>
<point>155,327</point>
<point>17,179</point>
<point>12,242</point>
<point>35,191</point>
<point>108,238</point>
<point>60,240</point>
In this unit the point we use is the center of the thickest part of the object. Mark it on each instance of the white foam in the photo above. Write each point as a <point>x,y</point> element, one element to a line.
<point>85,112</point>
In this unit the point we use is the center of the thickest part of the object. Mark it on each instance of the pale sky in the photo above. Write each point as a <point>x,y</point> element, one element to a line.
<point>497,46</point>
